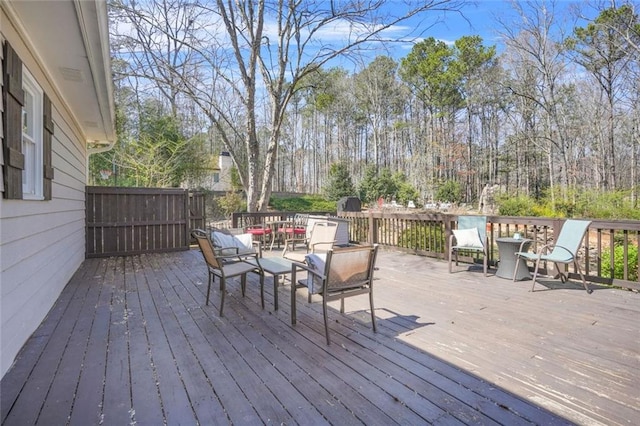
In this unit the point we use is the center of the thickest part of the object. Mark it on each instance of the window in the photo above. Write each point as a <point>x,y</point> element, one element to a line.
<point>32,137</point>
<point>216,177</point>
<point>28,128</point>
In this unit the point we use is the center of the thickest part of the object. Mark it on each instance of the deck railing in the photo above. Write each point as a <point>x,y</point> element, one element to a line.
<point>607,243</point>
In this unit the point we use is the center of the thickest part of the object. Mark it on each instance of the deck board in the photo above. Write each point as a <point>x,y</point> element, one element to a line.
<point>130,341</point>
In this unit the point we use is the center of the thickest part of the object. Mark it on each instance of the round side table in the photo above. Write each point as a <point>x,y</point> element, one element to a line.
<point>507,248</point>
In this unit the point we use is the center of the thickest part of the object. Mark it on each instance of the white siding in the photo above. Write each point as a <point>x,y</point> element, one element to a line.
<point>42,243</point>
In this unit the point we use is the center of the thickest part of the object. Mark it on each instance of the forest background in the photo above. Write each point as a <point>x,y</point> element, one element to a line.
<point>550,114</point>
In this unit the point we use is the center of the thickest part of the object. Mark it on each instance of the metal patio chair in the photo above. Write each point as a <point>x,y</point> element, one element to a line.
<point>563,251</point>
<point>338,274</point>
<point>293,231</point>
<point>471,235</point>
<point>239,243</point>
<point>225,266</point>
<point>321,239</point>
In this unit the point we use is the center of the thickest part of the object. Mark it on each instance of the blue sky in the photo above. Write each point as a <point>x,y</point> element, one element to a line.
<point>480,18</point>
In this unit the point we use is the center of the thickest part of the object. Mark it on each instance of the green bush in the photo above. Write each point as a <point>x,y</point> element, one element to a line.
<point>517,206</point>
<point>591,204</point>
<point>306,203</point>
<point>423,237</point>
<point>231,202</point>
<point>618,263</point>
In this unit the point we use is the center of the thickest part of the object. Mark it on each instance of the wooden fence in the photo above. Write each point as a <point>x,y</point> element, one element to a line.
<point>126,221</point>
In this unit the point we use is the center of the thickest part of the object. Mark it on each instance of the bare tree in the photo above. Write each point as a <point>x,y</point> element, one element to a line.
<point>250,58</point>
<point>532,41</point>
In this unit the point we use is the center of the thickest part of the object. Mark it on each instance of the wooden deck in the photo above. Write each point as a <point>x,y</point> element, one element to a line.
<point>130,342</point>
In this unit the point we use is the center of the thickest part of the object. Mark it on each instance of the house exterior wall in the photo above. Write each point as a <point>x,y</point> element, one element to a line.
<point>41,242</point>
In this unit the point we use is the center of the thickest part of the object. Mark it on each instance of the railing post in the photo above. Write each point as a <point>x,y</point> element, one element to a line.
<point>372,237</point>
<point>447,232</point>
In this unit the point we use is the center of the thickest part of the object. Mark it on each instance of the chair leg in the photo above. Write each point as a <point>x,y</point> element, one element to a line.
<point>243,283</point>
<point>584,281</point>
<point>223,290</point>
<point>373,315</point>
<point>561,273</point>
<point>515,270</point>
<point>209,288</point>
<point>293,296</point>
<point>262,290</point>
<point>326,320</point>
<point>535,274</point>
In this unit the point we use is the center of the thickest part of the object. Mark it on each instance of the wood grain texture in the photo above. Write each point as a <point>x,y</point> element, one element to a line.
<point>131,341</point>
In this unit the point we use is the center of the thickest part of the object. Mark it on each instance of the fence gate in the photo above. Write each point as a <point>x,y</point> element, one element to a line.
<point>126,221</point>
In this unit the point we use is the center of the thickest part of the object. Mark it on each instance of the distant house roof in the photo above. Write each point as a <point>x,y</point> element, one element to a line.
<point>71,39</point>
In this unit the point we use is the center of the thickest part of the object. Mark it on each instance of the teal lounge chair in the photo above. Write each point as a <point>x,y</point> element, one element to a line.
<point>564,250</point>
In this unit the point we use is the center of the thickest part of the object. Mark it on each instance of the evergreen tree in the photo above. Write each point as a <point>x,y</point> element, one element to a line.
<point>339,183</point>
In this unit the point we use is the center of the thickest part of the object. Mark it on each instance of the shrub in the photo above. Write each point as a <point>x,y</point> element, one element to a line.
<point>517,206</point>
<point>306,203</point>
<point>423,237</point>
<point>231,202</point>
<point>618,262</point>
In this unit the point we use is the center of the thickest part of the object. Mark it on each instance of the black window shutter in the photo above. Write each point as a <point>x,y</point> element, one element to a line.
<point>13,99</point>
<point>47,138</point>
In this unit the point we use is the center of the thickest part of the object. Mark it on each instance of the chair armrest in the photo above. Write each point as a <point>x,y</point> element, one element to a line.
<point>545,249</point>
<point>298,265</point>
<point>220,249</point>
<point>295,266</point>
<point>330,244</point>
<point>565,249</point>
<point>237,257</point>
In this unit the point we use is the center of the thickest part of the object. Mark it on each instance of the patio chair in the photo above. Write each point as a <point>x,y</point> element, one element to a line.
<point>233,243</point>
<point>563,251</point>
<point>336,275</point>
<point>261,232</point>
<point>224,266</point>
<point>294,231</point>
<point>321,239</point>
<point>471,235</point>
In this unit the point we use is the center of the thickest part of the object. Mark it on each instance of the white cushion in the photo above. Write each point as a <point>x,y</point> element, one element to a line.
<point>246,240</point>
<point>316,263</point>
<point>241,242</point>
<point>467,238</point>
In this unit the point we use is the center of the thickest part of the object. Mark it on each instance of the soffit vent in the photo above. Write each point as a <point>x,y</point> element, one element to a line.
<point>71,74</point>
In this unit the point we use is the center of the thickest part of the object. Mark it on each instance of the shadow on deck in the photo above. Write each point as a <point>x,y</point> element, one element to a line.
<point>130,341</point>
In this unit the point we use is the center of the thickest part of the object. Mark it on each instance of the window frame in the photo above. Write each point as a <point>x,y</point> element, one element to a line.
<point>32,177</point>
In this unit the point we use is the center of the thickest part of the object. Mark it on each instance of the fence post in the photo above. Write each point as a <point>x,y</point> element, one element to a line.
<point>187,218</point>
